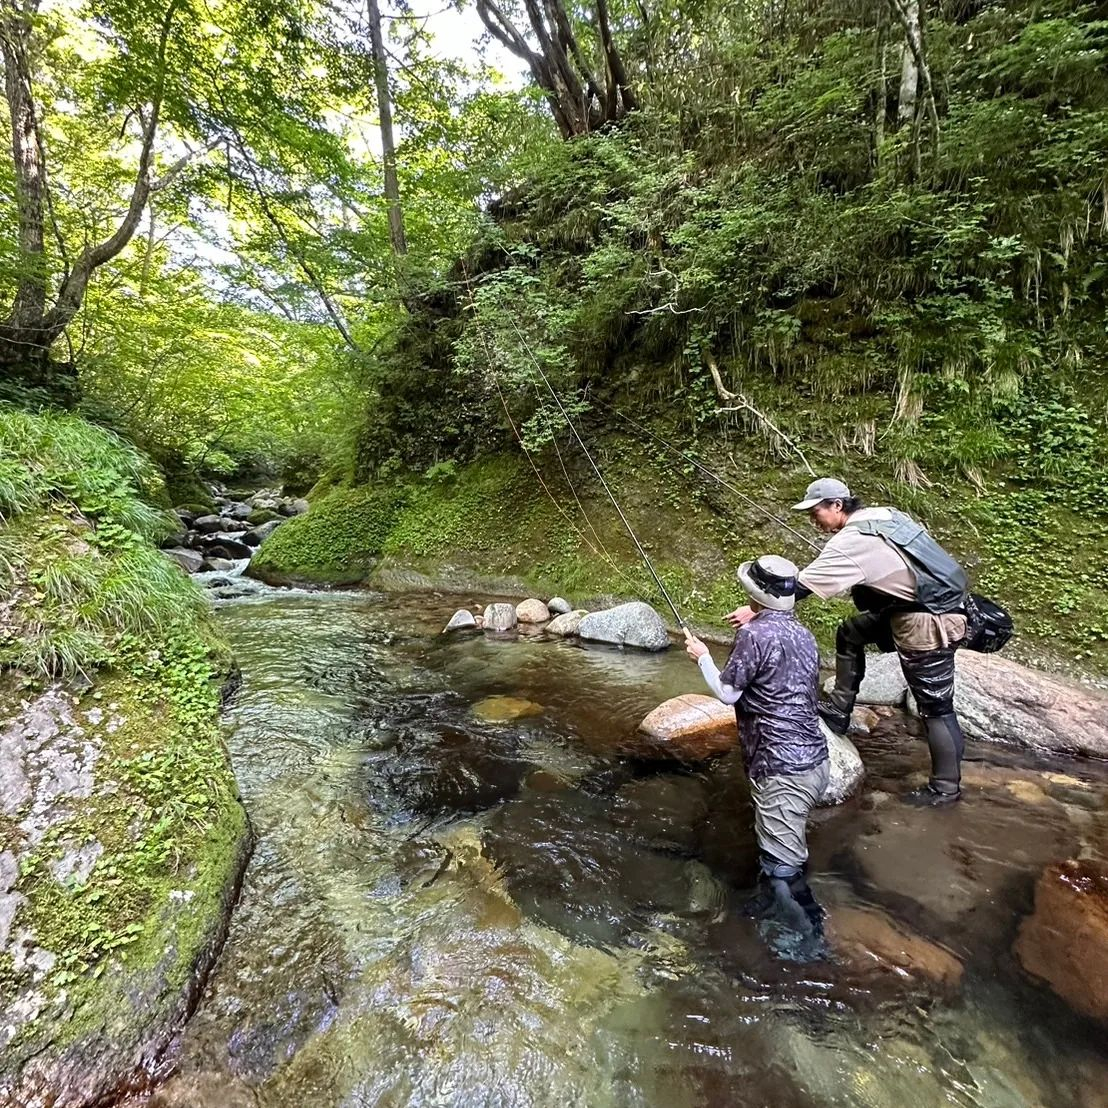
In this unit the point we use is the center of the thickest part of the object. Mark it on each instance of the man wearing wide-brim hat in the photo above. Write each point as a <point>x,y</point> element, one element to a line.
<point>771,678</point>
<point>912,596</point>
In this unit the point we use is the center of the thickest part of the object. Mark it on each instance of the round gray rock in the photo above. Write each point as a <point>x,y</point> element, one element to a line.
<point>500,617</point>
<point>883,683</point>
<point>559,606</point>
<point>847,771</point>
<point>635,624</point>
<point>461,619</point>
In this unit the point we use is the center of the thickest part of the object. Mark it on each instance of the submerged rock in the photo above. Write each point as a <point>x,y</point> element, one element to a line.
<point>847,771</point>
<point>566,624</point>
<point>883,683</point>
<point>559,605</point>
<point>870,941</point>
<point>500,617</point>
<point>501,709</point>
<point>532,611</point>
<point>1064,942</point>
<point>462,618</point>
<point>634,624</point>
<point>690,728</point>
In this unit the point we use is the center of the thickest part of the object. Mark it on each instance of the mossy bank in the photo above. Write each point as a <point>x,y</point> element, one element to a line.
<point>490,525</point>
<point>121,836</point>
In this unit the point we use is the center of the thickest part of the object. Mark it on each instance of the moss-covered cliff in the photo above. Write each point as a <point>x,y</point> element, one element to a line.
<point>121,835</point>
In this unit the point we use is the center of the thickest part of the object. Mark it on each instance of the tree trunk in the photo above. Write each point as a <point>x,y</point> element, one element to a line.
<point>560,67</point>
<point>29,304</point>
<point>32,328</point>
<point>909,70</point>
<point>388,144</point>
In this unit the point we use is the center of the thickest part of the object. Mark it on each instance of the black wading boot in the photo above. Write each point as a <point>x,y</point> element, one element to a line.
<point>761,903</point>
<point>796,907</point>
<point>835,710</point>
<point>946,743</point>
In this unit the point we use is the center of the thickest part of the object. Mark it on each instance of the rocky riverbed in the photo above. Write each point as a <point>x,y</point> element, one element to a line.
<point>463,883</point>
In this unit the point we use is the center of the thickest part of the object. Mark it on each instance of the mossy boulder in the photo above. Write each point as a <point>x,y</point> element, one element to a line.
<point>262,515</point>
<point>338,542</point>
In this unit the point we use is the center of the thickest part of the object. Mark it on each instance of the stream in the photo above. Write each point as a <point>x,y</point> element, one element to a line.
<point>444,908</point>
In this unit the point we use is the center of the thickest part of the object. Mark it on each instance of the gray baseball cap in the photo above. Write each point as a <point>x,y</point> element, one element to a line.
<point>826,488</point>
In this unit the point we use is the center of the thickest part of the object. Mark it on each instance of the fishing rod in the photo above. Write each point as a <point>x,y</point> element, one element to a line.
<point>604,484</point>
<point>692,460</point>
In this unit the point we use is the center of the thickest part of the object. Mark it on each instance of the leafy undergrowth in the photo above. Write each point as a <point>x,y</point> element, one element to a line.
<point>92,610</point>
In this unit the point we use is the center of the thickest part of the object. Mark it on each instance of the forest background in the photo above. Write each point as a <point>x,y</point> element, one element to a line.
<point>291,241</point>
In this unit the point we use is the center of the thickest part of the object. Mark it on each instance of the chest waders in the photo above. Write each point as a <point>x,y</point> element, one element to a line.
<point>941,587</point>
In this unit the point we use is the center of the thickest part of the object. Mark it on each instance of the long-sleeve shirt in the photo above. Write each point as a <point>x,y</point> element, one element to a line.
<point>771,678</point>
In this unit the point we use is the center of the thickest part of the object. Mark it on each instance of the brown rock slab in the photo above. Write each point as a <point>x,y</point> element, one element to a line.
<point>870,941</point>
<point>1064,941</point>
<point>532,611</point>
<point>690,728</point>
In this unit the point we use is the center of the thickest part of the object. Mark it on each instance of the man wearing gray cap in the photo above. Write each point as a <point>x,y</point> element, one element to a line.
<point>912,597</point>
<point>772,679</point>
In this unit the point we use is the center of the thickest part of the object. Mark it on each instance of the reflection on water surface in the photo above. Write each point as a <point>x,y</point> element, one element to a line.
<point>448,909</point>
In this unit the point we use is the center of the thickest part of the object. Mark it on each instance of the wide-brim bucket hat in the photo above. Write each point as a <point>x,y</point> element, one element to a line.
<point>771,581</point>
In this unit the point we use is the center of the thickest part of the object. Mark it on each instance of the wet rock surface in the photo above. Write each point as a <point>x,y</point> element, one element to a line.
<point>1064,942</point>
<point>688,728</point>
<point>58,765</point>
<point>998,700</point>
<point>847,770</point>
<point>883,683</point>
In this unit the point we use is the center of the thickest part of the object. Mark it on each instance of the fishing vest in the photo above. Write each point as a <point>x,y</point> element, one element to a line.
<point>941,583</point>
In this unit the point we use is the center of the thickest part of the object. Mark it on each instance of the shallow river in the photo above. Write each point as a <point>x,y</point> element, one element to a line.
<point>447,910</point>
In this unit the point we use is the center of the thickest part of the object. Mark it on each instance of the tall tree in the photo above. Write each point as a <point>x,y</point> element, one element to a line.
<point>579,101</point>
<point>388,143</point>
<point>34,322</point>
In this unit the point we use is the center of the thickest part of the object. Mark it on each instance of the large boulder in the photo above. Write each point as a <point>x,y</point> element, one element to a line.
<point>1001,701</point>
<point>689,728</point>
<point>207,525</point>
<point>883,683</point>
<point>532,611</point>
<point>500,617</point>
<point>1064,941</point>
<point>238,511</point>
<point>559,605</point>
<point>847,770</point>
<point>224,546</point>
<point>262,532</point>
<point>567,624</point>
<point>635,624</point>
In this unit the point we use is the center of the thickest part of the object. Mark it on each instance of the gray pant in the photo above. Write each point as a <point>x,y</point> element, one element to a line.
<point>781,807</point>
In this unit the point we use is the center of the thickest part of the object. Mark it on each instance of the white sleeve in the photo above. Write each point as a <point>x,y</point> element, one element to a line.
<point>726,693</point>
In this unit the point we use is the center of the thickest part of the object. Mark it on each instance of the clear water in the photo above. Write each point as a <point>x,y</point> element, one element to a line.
<point>446,911</point>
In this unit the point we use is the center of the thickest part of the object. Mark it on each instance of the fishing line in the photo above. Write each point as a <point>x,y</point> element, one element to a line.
<point>604,484</point>
<point>602,554</point>
<point>692,460</point>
